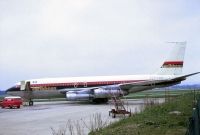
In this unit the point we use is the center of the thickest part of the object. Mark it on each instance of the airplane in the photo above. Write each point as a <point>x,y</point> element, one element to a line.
<point>99,89</point>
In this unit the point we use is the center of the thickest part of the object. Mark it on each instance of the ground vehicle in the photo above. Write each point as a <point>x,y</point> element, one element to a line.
<point>11,101</point>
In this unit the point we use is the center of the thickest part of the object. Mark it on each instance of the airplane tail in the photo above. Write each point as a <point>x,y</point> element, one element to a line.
<point>173,65</point>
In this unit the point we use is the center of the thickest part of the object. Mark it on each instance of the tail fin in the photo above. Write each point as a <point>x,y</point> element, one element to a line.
<point>174,63</point>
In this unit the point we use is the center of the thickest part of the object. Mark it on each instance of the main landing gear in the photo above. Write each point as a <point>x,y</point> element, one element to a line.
<point>30,103</point>
<point>100,100</point>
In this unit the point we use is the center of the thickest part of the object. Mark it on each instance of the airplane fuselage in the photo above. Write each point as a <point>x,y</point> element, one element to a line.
<point>87,82</point>
<point>58,87</point>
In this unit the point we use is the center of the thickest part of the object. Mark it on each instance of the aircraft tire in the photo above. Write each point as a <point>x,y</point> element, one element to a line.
<point>100,100</point>
<point>30,103</point>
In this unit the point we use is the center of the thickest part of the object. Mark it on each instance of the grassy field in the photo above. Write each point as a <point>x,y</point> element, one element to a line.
<point>157,94</point>
<point>155,120</point>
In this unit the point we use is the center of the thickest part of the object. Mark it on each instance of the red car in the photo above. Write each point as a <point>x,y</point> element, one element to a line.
<point>11,102</point>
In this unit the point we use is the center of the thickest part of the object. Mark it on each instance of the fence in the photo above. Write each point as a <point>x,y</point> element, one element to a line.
<point>194,121</point>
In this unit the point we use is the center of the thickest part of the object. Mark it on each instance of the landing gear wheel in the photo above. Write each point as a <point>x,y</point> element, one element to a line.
<point>113,115</point>
<point>30,103</point>
<point>100,100</point>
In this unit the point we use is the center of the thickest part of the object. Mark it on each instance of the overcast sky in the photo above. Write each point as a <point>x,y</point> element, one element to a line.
<point>63,38</point>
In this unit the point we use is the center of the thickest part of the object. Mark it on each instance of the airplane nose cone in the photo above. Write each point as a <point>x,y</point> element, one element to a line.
<point>12,89</point>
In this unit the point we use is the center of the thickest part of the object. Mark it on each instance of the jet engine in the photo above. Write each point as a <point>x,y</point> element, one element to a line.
<point>107,93</point>
<point>83,95</point>
<point>97,95</point>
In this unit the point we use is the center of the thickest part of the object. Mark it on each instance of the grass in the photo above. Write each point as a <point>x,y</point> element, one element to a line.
<point>155,120</point>
<point>156,94</point>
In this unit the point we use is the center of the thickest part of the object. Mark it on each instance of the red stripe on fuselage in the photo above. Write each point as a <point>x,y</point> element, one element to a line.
<point>173,63</point>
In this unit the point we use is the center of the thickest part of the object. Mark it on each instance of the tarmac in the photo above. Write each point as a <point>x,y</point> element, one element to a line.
<point>48,118</point>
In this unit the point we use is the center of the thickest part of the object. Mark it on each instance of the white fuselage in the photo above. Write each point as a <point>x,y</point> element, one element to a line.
<point>95,80</point>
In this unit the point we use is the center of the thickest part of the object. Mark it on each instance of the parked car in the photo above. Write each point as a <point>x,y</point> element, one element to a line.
<point>12,102</point>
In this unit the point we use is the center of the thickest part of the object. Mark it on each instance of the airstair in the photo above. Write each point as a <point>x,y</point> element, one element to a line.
<point>119,106</point>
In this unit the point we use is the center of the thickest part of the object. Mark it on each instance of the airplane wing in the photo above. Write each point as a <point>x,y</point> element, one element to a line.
<point>185,76</point>
<point>139,86</point>
<point>150,84</point>
<point>78,89</point>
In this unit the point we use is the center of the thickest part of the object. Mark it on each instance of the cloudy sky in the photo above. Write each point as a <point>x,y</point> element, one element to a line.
<point>58,38</point>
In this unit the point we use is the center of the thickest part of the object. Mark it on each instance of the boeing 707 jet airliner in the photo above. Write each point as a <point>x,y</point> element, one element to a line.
<point>100,88</point>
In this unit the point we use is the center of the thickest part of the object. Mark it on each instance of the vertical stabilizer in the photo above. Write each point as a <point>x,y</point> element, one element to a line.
<point>173,65</point>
